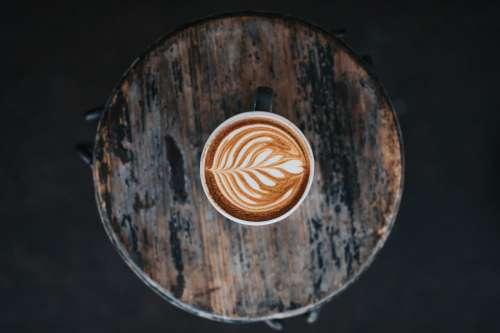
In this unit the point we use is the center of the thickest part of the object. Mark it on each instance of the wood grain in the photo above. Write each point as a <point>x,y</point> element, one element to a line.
<point>146,167</point>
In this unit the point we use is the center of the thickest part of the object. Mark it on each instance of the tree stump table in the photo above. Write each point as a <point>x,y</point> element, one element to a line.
<point>146,167</point>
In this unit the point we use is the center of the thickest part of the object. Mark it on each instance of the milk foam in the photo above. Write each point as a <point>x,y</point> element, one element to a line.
<point>258,167</point>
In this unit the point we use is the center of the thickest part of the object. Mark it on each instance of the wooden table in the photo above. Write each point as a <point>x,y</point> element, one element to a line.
<point>146,167</point>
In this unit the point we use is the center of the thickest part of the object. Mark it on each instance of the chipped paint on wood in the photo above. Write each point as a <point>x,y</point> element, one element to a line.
<point>147,155</point>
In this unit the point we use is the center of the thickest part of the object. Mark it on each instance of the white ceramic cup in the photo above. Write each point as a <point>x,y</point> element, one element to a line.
<point>250,115</point>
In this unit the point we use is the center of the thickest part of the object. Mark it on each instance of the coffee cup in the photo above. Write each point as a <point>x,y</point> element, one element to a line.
<point>257,167</point>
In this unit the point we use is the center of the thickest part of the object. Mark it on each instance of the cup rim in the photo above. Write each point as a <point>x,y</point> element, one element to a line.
<point>269,115</point>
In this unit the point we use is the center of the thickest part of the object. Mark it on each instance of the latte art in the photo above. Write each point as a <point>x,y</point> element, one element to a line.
<point>256,169</point>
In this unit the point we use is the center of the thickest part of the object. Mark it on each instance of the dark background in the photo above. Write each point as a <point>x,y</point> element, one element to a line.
<point>439,270</point>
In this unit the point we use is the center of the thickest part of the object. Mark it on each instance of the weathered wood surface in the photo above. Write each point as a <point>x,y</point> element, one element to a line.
<point>146,168</point>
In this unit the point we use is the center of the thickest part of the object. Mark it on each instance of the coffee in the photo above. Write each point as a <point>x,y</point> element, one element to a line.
<point>256,167</point>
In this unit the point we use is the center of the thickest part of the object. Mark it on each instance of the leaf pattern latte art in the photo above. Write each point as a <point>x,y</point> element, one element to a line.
<point>258,168</point>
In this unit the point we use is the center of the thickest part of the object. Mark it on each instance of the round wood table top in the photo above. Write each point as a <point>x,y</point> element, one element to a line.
<point>147,154</point>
